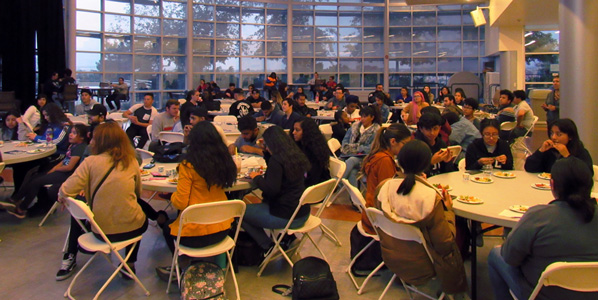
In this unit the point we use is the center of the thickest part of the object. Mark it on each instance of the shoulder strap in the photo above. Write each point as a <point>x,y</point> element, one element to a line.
<point>98,186</point>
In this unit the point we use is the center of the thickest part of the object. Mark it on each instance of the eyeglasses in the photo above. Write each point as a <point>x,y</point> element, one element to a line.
<point>491,135</point>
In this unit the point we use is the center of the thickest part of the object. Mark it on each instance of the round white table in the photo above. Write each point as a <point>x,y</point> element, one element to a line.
<point>497,197</point>
<point>11,154</point>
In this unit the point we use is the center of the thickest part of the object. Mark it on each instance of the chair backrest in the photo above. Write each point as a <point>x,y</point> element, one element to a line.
<point>171,137</point>
<point>326,130</point>
<point>531,128</point>
<point>149,132</point>
<point>507,126</point>
<point>144,154</point>
<point>182,101</point>
<point>317,193</point>
<point>595,173</point>
<point>356,196</point>
<point>115,116</point>
<point>461,165</point>
<point>225,119</point>
<point>212,213</point>
<point>70,92</point>
<point>337,167</point>
<point>576,276</point>
<point>334,145</point>
<point>398,231</point>
<point>2,166</point>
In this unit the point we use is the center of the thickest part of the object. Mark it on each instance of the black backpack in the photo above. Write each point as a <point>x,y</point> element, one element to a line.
<point>169,153</point>
<point>312,280</point>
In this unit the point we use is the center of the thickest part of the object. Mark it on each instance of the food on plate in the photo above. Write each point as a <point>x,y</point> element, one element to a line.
<point>482,179</point>
<point>541,185</point>
<point>519,208</point>
<point>545,175</point>
<point>144,172</point>
<point>469,199</point>
<point>23,144</point>
<point>35,151</point>
<point>173,180</point>
<point>504,174</point>
<point>440,186</point>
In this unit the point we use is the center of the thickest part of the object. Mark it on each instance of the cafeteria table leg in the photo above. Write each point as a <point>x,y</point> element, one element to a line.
<point>474,260</point>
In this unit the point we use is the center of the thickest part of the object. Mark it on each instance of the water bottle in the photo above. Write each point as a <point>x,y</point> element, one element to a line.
<point>487,169</point>
<point>49,136</point>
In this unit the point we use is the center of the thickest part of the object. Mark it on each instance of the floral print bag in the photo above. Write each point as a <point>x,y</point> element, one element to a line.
<point>202,281</point>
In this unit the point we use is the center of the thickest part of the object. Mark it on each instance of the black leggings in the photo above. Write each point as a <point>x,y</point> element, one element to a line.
<point>192,241</point>
<point>32,187</point>
<point>136,130</point>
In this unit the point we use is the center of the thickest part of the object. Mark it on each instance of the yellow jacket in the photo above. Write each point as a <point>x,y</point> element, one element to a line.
<point>193,189</point>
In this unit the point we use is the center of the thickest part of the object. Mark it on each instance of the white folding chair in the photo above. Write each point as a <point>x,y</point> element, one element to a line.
<point>337,169</point>
<point>80,211</point>
<point>326,130</point>
<point>311,195</point>
<point>359,202</point>
<point>144,154</point>
<point>209,213</point>
<point>182,101</point>
<point>595,188</point>
<point>389,118</point>
<point>225,119</point>
<point>51,211</point>
<point>461,165</point>
<point>520,141</point>
<point>402,232</point>
<point>575,276</point>
<point>334,145</point>
<point>171,137</point>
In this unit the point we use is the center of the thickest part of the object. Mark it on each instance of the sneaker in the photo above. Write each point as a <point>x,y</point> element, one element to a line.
<point>124,273</point>
<point>8,204</point>
<point>164,272</point>
<point>266,252</point>
<point>67,267</point>
<point>287,241</point>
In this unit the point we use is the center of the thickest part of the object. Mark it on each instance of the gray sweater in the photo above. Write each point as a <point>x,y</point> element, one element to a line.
<point>547,234</point>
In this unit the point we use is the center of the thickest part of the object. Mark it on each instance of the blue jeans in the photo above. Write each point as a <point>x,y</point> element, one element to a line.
<point>353,165</point>
<point>257,218</point>
<point>503,276</point>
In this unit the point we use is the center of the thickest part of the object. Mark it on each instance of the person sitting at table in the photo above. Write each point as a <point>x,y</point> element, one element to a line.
<point>403,96</point>
<point>120,93</point>
<point>414,201</point>
<point>428,129</point>
<point>206,171</point>
<point>382,107</point>
<point>193,100</point>
<point>470,105</point>
<point>113,201</point>
<point>450,105</point>
<point>247,142</point>
<point>255,99</point>
<point>283,89</point>
<point>141,115</point>
<point>229,93</point>
<point>337,101</point>
<point>282,186</point>
<point>459,96</point>
<point>445,129</point>
<point>269,113</point>
<point>203,86</point>
<point>331,84</point>
<point>32,118</point>
<point>164,121</point>
<point>290,117</point>
<point>324,94</point>
<point>428,91</point>
<point>55,120</point>
<point>342,124</point>
<point>312,142</point>
<point>463,132</point>
<point>300,90</point>
<point>10,126</point>
<point>380,164</point>
<point>563,230</point>
<point>563,142</point>
<point>358,141</point>
<point>524,115</point>
<point>86,103</point>
<point>240,107</point>
<point>489,149</point>
<point>303,109</point>
<point>442,93</point>
<point>198,114</point>
<point>413,108</point>
<point>18,204</point>
<point>352,108</point>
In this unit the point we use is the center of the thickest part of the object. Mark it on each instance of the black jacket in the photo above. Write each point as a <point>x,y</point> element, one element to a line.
<point>477,149</point>
<point>186,112</point>
<point>543,161</point>
<point>305,110</point>
<point>441,167</point>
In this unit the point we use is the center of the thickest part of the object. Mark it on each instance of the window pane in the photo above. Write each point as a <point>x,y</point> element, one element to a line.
<point>88,21</point>
<point>253,15</point>
<point>303,49</point>
<point>419,80</point>
<point>303,33</point>
<point>326,49</point>
<point>349,49</point>
<point>146,81</point>
<point>203,47</point>
<point>325,19</point>
<point>470,33</point>
<point>371,80</point>
<point>88,4</point>
<point>147,44</point>
<point>116,23</point>
<point>303,17</point>
<point>147,63</point>
<point>349,19</point>
<point>277,49</point>
<point>251,32</point>
<point>399,49</point>
<point>227,31</point>
<point>89,43</point>
<point>350,34</point>
<point>277,33</point>
<point>449,49</point>
<point>252,48</point>
<point>117,6</point>
<point>227,64</point>
<point>449,18</point>
<point>350,65</point>
<point>326,65</point>
<point>118,62</point>
<point>399,65</point>
<point>373,49</point>
<point>201,29</point>
<point>449,33</point>
<point>174,10</point>
<point>88,62</point>
<point>227,14</point>
<point>449,64</point>
<point>470,48</point>
<point>203,12</point>
<point>276,17</point>
<point>373,19</point>
<point>542,41</point>
<point>255,79</point>
<point>471,64</point>
<point>539,67</point>
<point>424,34</point>
<point>175,28</point>
<point>400,35</point>
<point>398,80</point>
<point>252,64</point>
<point>303,65</point>
<point>424,64</point>
<point>229,48</point>
<point>373,65</point>
<point>149,8</point>
<point>425,18</point>
<point>226,78</point>
<point>174,46</point>
<point>174,81</point>
<point>350,80</point>
<point>400,19</point>
<point>324,34</point>
<point>117,43</point>
<point>373,34</point>
<point>276,65</point>
<point>89,79</point>
<point>147,26</point>
<point>203,64</point>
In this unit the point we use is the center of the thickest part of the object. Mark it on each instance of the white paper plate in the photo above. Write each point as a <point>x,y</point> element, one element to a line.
<point>480,179</point>
<point>545,176</point>
<point>508,175</point>
<point>35,151</point>
<point>469,200</point>
<point>519,208</point>
<point>541,186</point>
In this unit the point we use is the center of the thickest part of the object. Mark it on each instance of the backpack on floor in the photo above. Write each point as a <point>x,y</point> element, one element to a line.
<point>312,280</point>
<point>247,251</point>
<point>369,259</point>
<point>202,281</point>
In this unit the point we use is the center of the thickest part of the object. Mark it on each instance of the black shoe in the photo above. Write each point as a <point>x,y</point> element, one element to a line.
<point>69,262</point>
<point>287,240</point>
<point>164,272</point>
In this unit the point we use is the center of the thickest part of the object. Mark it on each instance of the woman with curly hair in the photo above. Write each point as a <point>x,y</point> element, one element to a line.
<point>54,119</point>
<point>282,187</point>
<point>312,142</point>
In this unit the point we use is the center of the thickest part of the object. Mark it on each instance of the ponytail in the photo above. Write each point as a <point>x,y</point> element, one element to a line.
<point>572,183</point>
<point>583,205</point>
<point>407,184</point>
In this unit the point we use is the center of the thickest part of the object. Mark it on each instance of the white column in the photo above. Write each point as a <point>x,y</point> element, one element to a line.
<point>190,84</point>
<point>71,36</point>
<point>578,24</point>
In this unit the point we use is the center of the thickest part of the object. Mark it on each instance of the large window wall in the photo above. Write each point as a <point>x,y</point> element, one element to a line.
<point>168,46</point>
<point>541,58</point>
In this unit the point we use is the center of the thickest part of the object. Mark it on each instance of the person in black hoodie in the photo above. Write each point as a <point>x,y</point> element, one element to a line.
<point>312,142</point>
<point>282,186</point>
<point>428,129</point>
<point>343,123</point>
<point>490,149</point>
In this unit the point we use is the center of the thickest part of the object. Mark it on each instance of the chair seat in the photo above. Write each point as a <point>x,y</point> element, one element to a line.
<point>208,251</point>
<point>89,242</point>
<point>364,233</point>
<point>311,223</point>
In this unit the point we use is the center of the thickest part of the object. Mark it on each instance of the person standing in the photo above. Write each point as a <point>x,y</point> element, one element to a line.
<point>551,105</point>
<point>141,116</point>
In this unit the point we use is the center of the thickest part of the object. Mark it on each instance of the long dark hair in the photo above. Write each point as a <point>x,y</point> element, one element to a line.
<point>572,182</point>
<point>82,131</point>
<point>371,110</point>
<point>575,146</point>
<point>55,115</point>
<point>381,142</point>
<point>414,159</point>
<point>209,156</point>
<point>280,144</point>
<point>314,142</point>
